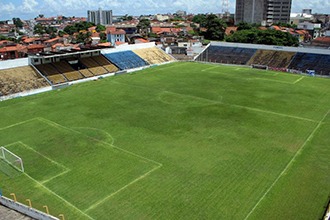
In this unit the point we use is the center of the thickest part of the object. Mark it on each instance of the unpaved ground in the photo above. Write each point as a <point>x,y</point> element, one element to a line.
<point>8,214</point>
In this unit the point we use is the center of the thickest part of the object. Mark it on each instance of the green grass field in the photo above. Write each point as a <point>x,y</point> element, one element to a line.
<point>178,141</point>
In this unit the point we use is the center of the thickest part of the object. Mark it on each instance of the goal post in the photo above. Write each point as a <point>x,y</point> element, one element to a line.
<point>12,159</point>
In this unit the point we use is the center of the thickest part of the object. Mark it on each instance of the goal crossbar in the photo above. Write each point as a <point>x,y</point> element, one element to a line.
<point>12,159</point>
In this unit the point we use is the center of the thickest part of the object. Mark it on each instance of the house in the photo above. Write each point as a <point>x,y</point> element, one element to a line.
<point>35,48</point>
<point>115,35</point>
<point>13,52</point>
<point>140,41</point>
<point>313,28</point>
<point>321,42</point>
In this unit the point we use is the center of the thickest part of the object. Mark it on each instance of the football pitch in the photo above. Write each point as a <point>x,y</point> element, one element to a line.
<point>178,141</point>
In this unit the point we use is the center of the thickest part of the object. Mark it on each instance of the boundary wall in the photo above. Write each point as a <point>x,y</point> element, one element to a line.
<point>128,47</point>
<point>26,210</point>
<point>7,64</point>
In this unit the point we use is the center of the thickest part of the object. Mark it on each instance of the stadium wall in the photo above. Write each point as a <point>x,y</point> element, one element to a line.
<point>272,47</point>
<point>128,47</point>
<point>31,212</point>
<point>7,64</point>
<point>27,93</point>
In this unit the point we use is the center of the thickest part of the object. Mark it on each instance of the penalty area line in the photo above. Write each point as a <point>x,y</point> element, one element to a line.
<point>19,123</point>
<point>309,138</point>
<point>58,196</point>
<point>298,80</point>
<point>121,189</point>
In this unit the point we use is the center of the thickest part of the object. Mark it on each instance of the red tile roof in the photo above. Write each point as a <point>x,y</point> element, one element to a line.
<point>230,30</point>
<point>107,44</point>
<point>119,31</point>
<point>35,46</point>
<point>119,42</point>
<point>30,40</point>
<point>322,40</point>
<point>142,40</point>
<point>52,40</point>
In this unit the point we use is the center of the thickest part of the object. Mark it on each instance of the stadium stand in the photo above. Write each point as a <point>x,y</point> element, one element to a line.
<point>308,61</point>
<point>272,58</point>
<point>51,73</point>
<point>86,73</point>
<point>102,61</point>
<point>93,66</point>
<point>20,79</point>
<point>229,55</point>
<point>65,68</point>
<point>126,60</point>
<point>153,55</point>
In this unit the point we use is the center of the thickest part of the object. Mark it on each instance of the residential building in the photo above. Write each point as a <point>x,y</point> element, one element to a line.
<point>314,29</point>
<point>100,17</point>
<point>115,35</point>
<point>265,12</point>
<point>181,13</point>
<point>160,17</point>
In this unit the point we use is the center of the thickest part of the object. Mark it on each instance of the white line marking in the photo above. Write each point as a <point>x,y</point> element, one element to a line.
<point>53,177</point>
<point>273,113</point>
<point>54,124</point>
<point>58,196</point>
<point>96,129</point>
<point>310,137</point>
<point>271,80</point>
<point>166,67</point>
<point>298,80</point>
<point>66,170</point>
<point>37,152</point>
<point>233,105</point>
<point>16,124</point>
<point>119,190</point>
<point>188,96</point>
<point>209,68</point>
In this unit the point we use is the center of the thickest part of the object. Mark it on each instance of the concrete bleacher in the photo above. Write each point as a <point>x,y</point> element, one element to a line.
<point>93,66</point>
<point>102,61</point>
<point>126,60</point>
<point>292,59</point>
<point>52,74</point>
<point>227,55</point>
<point>65,68</point>
<point>272,58</point>
<point>153,55</point>
<point>15,80</point>
<point>307,61</point>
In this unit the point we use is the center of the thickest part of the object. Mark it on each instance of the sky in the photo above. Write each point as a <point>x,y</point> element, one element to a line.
<point>29,9</point>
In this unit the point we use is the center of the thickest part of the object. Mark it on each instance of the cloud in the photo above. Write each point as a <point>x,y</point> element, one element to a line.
<point>318,6</point>
<point>29,5</point>
<point>31,8</point>
<point>7,8</point>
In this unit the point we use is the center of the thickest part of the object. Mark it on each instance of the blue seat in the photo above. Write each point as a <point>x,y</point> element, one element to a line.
<point>126,60</point>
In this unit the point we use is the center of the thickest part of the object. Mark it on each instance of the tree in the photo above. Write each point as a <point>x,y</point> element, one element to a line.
<point>127,17</point>
<point>200,19</point>
<point>100,28</point>
<point>215,28</point>
<point>70,29</point>
<point>144,26</point>
<point>268,37</point>
<point>103,37</point>
<point>243,26</point>
<point>18,22</point>
<point>3,37</point>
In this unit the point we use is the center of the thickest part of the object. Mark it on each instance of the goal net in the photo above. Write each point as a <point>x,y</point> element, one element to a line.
<point>12,159</point>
